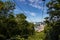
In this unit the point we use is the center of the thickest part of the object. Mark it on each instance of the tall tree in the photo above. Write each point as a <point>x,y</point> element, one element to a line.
<point>26,28</point>
<point>53,27</point>
<point>13,25</point>
<point>5,10</point>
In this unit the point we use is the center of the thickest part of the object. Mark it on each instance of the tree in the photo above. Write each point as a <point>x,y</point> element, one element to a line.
<point>5,8</point>
<point>26,28</point>
<point>52,29</point>
<point>13,25</point>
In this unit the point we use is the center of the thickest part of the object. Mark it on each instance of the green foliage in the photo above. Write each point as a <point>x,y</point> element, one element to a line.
<point>11,25</point>
<point>37,36</point>
<point>52,29</point>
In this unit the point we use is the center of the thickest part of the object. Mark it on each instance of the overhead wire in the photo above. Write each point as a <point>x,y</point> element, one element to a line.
<point>32,16</point>
<point>23,10</point>
<point>26,13</point>
<point>43,9</point>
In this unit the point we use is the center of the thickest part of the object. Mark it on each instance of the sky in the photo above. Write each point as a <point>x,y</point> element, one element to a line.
<point>33,9</point>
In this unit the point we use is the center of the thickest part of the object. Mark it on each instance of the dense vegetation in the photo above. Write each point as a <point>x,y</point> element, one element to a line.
<point>16,27</point>
<point>13,26</point>
<point>52,29</point>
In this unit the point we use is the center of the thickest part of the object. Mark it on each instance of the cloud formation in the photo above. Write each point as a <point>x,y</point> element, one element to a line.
<point>33,14</point>
<point>36,6</point>
<point>33,3</point>
<point>30,13</point>
<point>22,0</point>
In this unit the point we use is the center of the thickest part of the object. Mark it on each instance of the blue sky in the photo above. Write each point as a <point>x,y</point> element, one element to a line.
<point>32,9</point>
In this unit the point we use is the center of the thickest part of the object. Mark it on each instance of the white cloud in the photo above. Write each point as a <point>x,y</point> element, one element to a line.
<point>35,3</point>
<point>36,6</point>
<point>22,0</point>
<point>31,1</point>
<point>30,13</point>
